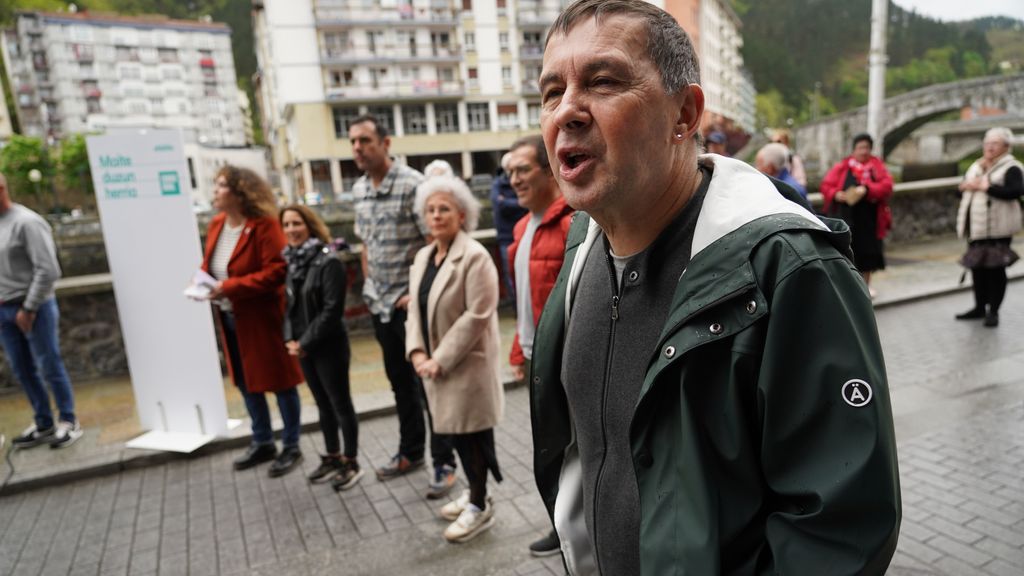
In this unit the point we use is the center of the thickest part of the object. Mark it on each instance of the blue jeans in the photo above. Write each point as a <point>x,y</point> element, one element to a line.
<point>35,357</point>
<point>506,277</point>
<point>288,401</point>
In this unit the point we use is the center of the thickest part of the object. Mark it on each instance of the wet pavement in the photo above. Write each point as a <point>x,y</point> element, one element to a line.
<point>958,399</point>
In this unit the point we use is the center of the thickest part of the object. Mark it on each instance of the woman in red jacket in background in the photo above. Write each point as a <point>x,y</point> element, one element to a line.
<point>243,252</point>
<point>857,189</point>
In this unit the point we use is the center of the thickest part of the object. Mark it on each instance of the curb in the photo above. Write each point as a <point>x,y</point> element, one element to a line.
<point>144,459</point>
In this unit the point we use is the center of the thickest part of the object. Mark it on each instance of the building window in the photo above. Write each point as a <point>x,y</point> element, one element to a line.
<point>479,115</point>
<point>446,118</point>
<point>469,40</point>
<point>446,74</point>
<point>508,116</point>
<point>503,41</point>
<point>126,53</point>
<point>473,77</point>
<point>501,3</point>
<point>92,106</point>
<point>131,73</point>
<point>335,43</point>
<point>343,118</point>
<point>533,115</point>
<point>467,5</point>
<point>156,105</point>
<point>374,40</point>
<point>410,73</point>
<point>168,55</point>
<point>506,75</point>
<point>385,116</point>
<point>414,119</point>
<point>341,78</point>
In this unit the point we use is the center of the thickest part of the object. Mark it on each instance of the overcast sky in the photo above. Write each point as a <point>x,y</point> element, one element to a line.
<point>964,10</point>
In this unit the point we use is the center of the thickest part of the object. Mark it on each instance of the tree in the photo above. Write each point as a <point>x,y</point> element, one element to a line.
<point>74,165</point>
<point>20,156</point>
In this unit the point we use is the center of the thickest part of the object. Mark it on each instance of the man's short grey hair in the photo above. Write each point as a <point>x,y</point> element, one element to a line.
<point>1001,133</point>
<point>467,203</point>
<point>506,160</point>
<point>668,45</point>
<point>775,154</point>
<point>438,168</point>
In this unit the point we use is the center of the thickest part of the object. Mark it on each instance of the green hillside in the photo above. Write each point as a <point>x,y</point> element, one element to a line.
<point>807,52</point>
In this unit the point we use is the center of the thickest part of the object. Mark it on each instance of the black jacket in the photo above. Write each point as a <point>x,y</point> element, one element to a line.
<point>316,310</point>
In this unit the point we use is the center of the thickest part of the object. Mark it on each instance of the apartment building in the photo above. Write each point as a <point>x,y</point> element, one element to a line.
<point>451,79</point>
<point>83,72</point>
<point>6,130</point>
<point>714,28</point>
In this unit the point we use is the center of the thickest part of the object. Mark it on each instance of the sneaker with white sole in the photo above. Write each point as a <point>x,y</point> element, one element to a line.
<point>451,510</point>
<point>67,434</point>
<point>470,523</point>
<point>33,436</point>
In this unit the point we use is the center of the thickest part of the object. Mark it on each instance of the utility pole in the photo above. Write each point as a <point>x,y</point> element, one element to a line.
<point>876,71</point>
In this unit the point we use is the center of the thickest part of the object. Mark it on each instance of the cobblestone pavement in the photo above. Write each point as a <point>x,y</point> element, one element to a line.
<point>958,395</point>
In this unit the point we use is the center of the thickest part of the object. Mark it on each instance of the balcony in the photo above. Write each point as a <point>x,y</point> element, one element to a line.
<point>83,54</point>
<point>342,18</point>
<point>206,63</point>
<point>92,92</point>
<point>530,87</point>
<point>539,18</point>
<point>531,52</point>
<point>390,53</point>
<point>414,90</point>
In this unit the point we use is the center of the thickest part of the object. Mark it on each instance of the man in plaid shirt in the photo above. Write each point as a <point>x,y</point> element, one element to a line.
<point>392,233</point>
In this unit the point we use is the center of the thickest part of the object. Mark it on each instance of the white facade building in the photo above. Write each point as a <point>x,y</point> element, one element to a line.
<point>78,72</point>
<point>451,79</point>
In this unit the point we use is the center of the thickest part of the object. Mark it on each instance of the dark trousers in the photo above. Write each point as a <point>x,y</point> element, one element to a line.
<point>288,402</point>
<point>326,372</point>
<point>476,450</point>
<point>989,287</point>
<point>409,397</point>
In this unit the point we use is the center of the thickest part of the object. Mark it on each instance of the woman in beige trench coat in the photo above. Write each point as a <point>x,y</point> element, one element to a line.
<point>452,342</point>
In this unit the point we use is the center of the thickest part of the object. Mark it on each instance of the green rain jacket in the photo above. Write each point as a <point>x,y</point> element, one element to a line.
<point>762,438</point>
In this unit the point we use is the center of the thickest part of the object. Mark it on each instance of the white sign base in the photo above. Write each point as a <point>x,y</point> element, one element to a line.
<point>183,442</point>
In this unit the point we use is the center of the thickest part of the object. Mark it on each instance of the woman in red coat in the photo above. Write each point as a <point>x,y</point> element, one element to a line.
<point>857,189</point>
<point>243,252</point>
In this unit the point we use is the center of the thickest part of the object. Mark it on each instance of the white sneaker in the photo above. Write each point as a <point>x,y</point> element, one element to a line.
<point>453,509</point>
<point>67,434</point>
<point>470,523</point>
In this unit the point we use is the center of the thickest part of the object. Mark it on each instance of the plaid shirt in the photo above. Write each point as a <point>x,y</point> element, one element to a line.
<point>392,233</point>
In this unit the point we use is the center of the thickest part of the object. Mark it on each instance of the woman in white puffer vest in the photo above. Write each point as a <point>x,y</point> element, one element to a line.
<point>989,216</point>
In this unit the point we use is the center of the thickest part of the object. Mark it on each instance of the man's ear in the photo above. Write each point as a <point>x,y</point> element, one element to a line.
<point>691,111</point>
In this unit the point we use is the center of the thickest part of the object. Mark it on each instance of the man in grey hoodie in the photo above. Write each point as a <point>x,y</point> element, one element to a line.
<point>28,322</point>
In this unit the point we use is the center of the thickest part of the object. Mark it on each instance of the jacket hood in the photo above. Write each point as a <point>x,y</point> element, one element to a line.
<point>737,195</point>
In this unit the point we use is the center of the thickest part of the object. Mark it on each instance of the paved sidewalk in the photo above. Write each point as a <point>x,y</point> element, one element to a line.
<point>958,398</point>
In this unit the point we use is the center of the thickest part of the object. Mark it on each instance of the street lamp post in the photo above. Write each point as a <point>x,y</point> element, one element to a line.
<point>876,71</point>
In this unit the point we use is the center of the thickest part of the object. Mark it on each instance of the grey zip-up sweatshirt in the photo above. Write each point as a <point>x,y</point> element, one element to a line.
<point>28,258</point>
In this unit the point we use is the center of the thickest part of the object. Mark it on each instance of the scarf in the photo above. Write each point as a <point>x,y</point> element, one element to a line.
<point>300,257</point>
<point>862,172</point>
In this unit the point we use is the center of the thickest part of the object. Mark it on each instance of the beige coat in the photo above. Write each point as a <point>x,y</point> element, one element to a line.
<point>462,312</point>
<point>990,217</point>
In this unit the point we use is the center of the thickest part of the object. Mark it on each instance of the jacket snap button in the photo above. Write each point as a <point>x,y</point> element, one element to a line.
<point>751,307</point>
<point>715,328</point>
<point>633,276</point>
<point>670,351</point>
<point>536,379</point>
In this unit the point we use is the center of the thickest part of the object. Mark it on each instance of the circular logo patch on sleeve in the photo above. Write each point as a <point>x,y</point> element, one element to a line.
<point>857,393</point>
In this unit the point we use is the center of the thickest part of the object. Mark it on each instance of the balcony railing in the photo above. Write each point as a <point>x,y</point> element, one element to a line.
<point>530,87</point>
<point>392,53</point>
<point>531,52</point>
<point>540,17</point>
<point>347,17</point>
<point>387,90</point>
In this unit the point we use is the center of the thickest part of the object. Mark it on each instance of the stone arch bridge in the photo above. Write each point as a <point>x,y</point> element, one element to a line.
<point>826,141</point>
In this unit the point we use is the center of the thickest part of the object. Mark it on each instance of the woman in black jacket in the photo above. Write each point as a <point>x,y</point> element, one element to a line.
<point>314,330</point>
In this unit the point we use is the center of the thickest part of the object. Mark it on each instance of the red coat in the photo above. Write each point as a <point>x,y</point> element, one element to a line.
<point>255,287</point>
<point>547,251</point>
<point>879,187</point>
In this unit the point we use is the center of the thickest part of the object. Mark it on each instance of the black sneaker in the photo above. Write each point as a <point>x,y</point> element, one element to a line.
<point>546,546</point>
<point>67,434</point>
<point>972,314</point>
<point>329,466</point>
<point>33,436</point>
<point>256,454</point>
<point>288,459</point>
<point>348,476</point>
<point>991,320</point>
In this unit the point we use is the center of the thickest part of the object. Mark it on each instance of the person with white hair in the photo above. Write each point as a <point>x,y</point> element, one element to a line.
<point>438,168</point>
<point>453,344</point>
<point>772,160</point>
<point>988,217</point>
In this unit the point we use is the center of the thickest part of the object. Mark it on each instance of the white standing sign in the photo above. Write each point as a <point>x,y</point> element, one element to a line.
<point>152,241</point>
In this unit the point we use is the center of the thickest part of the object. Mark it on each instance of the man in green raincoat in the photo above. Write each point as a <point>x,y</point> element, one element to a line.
<point>708,391</point>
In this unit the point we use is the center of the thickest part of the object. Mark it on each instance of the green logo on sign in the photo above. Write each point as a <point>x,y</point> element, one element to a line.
<point>169,184</point>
